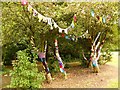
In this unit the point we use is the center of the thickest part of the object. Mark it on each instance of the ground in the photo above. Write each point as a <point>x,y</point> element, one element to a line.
<point>79,77</point>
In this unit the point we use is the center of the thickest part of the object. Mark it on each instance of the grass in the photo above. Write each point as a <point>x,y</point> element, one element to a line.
<point>113,84</point>
<point>114,62</point>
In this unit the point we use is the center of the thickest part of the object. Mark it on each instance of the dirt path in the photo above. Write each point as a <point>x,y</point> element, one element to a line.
<point>83,78</point>
<point>79,77</point>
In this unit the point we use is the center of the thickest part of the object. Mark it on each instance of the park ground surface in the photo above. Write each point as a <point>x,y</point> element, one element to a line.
<point>79,77</point>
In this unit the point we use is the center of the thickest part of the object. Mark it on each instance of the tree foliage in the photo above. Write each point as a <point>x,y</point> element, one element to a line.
<point>19,25</point>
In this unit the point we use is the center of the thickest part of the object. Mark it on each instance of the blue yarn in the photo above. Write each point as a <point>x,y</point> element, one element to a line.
<point>66,37</point>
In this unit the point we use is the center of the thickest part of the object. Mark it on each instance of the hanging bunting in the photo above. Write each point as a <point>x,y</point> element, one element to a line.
<point>92,13</point>
<point>40,17</point>
<point>24,2</point>
<point>48,20</point>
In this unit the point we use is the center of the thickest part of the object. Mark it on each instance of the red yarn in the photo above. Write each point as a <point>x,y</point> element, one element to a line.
<point>75,18</point>
<point>98,17</point>
<point>63,35</point>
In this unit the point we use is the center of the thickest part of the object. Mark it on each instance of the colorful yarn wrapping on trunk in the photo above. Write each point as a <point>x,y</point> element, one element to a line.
<point>59,58</point>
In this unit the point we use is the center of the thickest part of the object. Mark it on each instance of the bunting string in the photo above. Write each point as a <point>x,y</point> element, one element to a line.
<point>50,21</point>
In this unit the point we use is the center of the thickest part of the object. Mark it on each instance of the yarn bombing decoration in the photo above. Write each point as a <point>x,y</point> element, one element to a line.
<point>104,19</point>
<point>75,18</point>
<point>100,19</point>
<point>48,20</point>
<point>72,24</point>
<point>30,8</point>
<point>24,2</point>
<point>59,58</point>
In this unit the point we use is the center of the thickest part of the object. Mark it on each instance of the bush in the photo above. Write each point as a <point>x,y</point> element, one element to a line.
<point>25,74</point>
<point>105,57</point>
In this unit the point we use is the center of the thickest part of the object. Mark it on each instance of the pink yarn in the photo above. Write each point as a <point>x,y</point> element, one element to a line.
<point>75,18</point>
<point>24,2</point>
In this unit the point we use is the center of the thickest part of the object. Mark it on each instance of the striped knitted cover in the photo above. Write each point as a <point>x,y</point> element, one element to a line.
<point>59,58</point>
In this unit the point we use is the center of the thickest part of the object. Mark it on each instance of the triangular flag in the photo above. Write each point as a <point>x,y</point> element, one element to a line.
<point>45,19</point>
<point>55,25</point>
<point>92,13</point>
<point>72,24</point>
<point>49,21</point>
<point>104,19</point>
<point>40,17</point>
<point>66,31</point>
<point>60,30</point>
<point>51,27</point>
<point>100,19</point>
<point>35,12</point>
<point>30,8</point>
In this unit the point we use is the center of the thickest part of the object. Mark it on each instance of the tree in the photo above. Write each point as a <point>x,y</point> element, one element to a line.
<point>19,25</point>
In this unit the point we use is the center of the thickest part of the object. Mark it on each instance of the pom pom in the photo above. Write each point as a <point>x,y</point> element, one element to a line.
<point>24,2</point>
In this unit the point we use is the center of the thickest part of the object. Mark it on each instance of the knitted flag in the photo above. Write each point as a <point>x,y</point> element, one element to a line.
<point>75,18</point>
<point>30,8</point>
<point>72,24</point>
<point>92,13</point>
<point>40,17</point>
<point>104,19</point>
<point>100,19</point>
<point>35,12</point>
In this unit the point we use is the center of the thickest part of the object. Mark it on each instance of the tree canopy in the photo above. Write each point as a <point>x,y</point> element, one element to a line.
<point>19,26</point>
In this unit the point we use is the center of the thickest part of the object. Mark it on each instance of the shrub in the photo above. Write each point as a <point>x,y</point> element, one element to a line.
<point>25,74</point>
<point>105,57</point>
